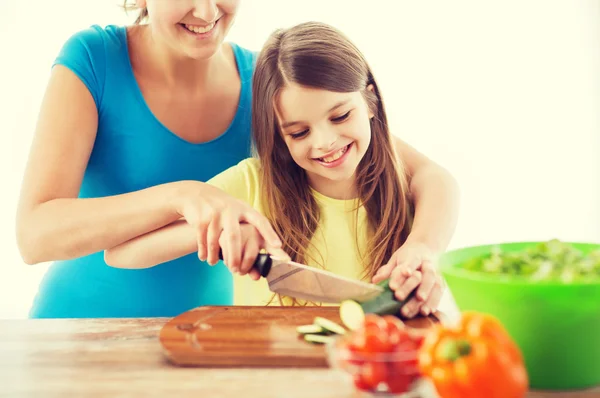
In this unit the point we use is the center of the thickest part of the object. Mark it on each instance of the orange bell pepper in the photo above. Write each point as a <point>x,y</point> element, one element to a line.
<point>477,359</point>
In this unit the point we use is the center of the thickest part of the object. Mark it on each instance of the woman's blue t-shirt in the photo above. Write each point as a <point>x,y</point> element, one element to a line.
<point>134,150</point>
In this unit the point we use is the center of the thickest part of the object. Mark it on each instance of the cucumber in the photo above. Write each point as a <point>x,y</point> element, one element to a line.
<point>385,284</point>
<point>318,338</point>
<point>311,329</point>
<point>329,325</point>
<point>385,303</point>
<point>352,314</point>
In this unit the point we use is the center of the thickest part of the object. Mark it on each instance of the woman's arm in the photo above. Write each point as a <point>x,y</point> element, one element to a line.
<point>53,223</point>
<point>436,196</point>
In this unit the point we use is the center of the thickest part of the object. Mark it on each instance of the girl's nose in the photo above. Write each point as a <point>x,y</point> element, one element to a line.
<point>325,140</point>
<point>205,10</point>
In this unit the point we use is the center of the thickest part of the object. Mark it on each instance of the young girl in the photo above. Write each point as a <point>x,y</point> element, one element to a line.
<point>327,174</point>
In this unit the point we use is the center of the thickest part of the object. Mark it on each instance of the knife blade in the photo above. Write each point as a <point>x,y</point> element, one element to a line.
<point>309,283</point>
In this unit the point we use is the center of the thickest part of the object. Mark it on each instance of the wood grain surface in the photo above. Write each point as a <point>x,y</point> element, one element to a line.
<point>124,358</point>
<point>250,336</point>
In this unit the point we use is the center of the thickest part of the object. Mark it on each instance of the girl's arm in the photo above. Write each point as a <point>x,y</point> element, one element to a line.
<point>167,243</point>
<point>436,196</point>
<point>177,240</point>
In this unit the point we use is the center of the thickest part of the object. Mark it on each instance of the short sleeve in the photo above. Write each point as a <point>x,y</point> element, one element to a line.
<point>84,54</point>
<point>241,181</point>
<point>246,61</point>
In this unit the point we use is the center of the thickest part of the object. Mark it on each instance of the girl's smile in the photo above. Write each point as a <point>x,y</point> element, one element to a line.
<point>335,158</point>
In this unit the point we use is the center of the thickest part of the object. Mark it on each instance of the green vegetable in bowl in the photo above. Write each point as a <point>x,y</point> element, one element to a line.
<point>551,260</point>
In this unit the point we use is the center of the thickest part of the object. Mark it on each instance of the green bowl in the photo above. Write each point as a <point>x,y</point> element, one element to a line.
<point>556,325</point>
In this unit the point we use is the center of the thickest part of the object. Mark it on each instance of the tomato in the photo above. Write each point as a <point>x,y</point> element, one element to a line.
<point>383,336</point>
<point>376,339</point>
<point>376,320</point>
<point>418,337</point>
<point>394,329</point>
<point>376,336</point>
<point>399,384</point>
<point>360,383</point>
<point>403,372</point>
<point>373,373</point>
<point>403,367</point>
<point>393,321</point>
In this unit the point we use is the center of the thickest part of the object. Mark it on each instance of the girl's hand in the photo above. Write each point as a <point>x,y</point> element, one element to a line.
<point>216,216</point>
<point>413,266</point>
<point>251,244</point>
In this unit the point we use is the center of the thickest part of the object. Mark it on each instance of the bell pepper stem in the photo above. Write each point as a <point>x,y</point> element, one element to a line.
<point>454,349</point>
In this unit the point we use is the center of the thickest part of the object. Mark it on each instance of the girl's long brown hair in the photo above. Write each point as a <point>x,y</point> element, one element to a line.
<point>319,56</point>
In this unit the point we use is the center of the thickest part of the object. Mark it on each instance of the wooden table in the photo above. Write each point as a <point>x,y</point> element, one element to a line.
<point>122,357</point>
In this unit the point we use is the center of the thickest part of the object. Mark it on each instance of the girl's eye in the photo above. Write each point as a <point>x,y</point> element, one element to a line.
<point>341,118</point>
<point>299,135</point>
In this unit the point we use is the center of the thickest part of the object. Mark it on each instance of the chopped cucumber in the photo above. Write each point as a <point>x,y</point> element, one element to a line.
<point>329,325</point>
<point>384,304</point>
<point>310,329</point>
<point>317,338</point>
<point>352,314</point>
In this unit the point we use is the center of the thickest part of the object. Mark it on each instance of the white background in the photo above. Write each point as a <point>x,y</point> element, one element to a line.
<point>504,94</point>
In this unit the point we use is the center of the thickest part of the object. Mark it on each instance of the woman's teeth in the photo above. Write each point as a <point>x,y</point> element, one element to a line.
<point>335,156</point>
<point>200,29</point>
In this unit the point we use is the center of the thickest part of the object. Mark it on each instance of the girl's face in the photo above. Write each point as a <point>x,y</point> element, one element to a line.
<point>194,28</point>
<point>327,133</point>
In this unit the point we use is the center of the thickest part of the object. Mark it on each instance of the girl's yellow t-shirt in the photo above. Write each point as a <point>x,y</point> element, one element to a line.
<point>335,241</point>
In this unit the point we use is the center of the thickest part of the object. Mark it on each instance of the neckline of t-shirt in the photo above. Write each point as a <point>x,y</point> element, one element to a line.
<point>347,204</point>
<point>136,87</point>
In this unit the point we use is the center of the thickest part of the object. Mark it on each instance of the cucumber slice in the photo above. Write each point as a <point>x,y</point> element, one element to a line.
<point>317,338</point>
<point>310,329</point>
<point>384,304</point>
<point>352,314</point>
<point>329,325</point>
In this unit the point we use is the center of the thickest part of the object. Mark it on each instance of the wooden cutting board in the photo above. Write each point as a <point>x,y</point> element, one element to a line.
<point>244,336</point>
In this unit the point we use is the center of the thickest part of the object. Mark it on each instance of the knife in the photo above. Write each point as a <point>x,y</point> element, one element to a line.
<point>309,283</point>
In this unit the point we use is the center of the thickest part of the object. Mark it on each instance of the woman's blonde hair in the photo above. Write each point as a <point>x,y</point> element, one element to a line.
<point>319,56</point>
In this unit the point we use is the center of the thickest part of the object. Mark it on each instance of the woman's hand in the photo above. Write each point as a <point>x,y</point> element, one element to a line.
<point>251,244</point>
<point>217,216</point>
<point>413,266</point>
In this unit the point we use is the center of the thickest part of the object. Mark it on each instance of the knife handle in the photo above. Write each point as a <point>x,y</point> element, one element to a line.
<point>262,263</point>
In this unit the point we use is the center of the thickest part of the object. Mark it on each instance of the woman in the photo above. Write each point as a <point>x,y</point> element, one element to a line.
<point>133,120</point>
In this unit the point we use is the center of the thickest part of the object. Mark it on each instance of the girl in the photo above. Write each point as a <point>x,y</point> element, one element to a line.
<point>327,174</point>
